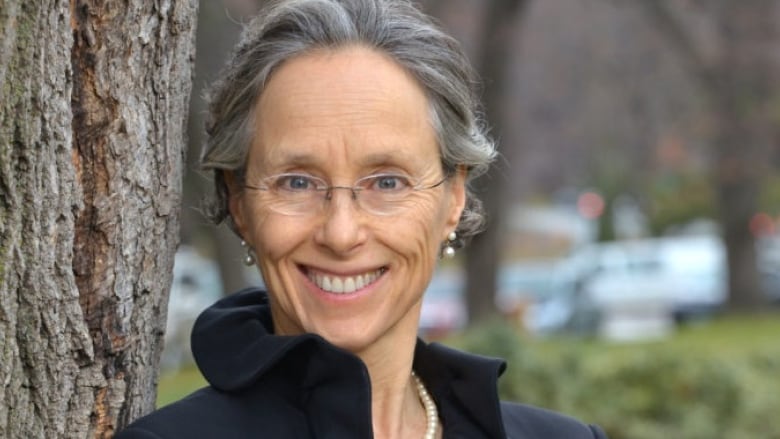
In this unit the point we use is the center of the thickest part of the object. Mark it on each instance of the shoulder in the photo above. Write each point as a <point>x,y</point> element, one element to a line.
<point>210,413</point>
<point>204,409</point>
<point>524,421</point>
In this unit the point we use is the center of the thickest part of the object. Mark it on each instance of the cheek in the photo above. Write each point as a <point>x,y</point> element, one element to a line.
<point>273,236</point>
<point>417,236</point>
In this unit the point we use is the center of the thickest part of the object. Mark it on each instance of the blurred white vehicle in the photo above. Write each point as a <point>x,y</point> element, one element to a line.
<point>769,266</point>
<point>196,285</point>
<point>638,288</point>
<point>443,308</point>
<point>520,284</point>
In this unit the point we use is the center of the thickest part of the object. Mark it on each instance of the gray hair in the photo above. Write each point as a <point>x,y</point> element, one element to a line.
<point>285,29</point>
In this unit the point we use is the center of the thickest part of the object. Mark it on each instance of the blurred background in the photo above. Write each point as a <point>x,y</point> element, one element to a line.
<point>630,271</point>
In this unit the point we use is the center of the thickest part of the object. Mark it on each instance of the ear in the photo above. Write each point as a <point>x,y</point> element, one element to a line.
<point>235,202</point>
<point>457,194</point>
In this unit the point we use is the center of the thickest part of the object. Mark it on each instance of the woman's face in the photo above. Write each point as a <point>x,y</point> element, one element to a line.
<point>339,116</point>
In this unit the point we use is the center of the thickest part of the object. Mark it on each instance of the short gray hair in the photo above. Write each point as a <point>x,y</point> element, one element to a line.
<point>284,29</point>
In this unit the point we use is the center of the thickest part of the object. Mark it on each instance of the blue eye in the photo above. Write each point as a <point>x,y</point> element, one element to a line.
<point>295,183</point>
<point>389,183</point>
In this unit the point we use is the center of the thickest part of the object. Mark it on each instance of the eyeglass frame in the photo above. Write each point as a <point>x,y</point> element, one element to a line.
<point>327,189</point>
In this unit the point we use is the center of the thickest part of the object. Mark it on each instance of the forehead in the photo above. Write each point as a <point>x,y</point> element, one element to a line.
<point>350,105</point>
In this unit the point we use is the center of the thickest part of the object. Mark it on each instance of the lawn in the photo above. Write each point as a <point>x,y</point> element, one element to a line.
<point>174,386</point>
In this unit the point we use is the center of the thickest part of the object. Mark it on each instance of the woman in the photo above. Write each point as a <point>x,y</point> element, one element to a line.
<point>342,138</point>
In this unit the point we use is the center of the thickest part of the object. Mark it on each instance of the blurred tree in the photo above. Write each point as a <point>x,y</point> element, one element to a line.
<point>599,106</point>
<point>678,198</point>
<point>492,48</point>
<point>218,30</point>
<point>734,64</point>
<point>502,19</point>
<point>93,98</point>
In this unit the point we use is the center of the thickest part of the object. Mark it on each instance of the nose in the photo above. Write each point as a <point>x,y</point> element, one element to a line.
<point>343,224</point>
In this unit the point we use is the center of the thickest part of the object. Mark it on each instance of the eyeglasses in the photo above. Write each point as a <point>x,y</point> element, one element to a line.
<point>302,194</point>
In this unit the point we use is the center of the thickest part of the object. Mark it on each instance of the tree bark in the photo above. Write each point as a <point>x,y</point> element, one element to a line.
<point>93,99</point>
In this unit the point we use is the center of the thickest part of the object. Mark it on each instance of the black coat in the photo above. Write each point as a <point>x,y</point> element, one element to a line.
<point>268,386</point>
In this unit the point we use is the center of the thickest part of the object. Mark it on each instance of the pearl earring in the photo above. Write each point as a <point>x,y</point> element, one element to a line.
<point>449,251</point>
<point>249,259</point>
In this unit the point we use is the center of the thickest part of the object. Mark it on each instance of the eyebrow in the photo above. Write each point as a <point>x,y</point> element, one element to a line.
<point>307,159</point>
<point>286,157</point>
<point>382,158</point>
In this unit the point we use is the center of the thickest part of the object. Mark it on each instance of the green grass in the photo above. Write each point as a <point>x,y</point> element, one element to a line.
<point>174,386</point>
<point>728,336</point>
<point>736,334</point>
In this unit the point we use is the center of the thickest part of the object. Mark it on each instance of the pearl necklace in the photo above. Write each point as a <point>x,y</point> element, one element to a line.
<point>430,408</point>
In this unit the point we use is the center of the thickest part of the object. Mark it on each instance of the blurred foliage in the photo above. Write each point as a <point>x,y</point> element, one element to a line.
<point>770,194</point>
<point>678,198</point>
<point>714,381</point>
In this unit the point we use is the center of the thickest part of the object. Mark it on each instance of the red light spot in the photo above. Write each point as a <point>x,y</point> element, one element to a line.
<point>762,225</point>
<point>590,205</point>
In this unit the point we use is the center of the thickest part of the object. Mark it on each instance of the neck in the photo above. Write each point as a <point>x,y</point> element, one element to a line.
<point>395,404</point>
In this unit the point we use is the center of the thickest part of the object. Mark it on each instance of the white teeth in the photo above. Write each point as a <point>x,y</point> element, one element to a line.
<point>346,284</point>
<point>325,284</point>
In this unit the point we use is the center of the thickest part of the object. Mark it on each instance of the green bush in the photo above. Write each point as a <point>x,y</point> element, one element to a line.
<point>672,389</point>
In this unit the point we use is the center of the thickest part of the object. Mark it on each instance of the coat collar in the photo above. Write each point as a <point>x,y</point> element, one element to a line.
<point>234,346</point>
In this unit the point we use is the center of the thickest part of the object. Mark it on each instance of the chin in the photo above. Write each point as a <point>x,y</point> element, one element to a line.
<point>358,337</point>
<point>351,339</point>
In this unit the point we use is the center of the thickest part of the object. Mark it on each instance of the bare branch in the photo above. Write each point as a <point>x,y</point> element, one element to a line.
<point>670,28</point>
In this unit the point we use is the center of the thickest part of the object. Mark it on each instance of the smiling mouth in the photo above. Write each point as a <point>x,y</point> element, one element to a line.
<point>344,284</point>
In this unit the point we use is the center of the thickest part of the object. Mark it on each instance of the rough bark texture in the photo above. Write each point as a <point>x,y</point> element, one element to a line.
<point>93,99</point>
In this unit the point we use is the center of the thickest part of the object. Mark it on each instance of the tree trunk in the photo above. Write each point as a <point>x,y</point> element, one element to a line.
<point>93,99</point>
<point>742,99</point>
<point>483,256</point>
<point>217,34</point>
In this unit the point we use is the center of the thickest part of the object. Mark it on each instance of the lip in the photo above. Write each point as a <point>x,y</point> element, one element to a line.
<point>306,271</point>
